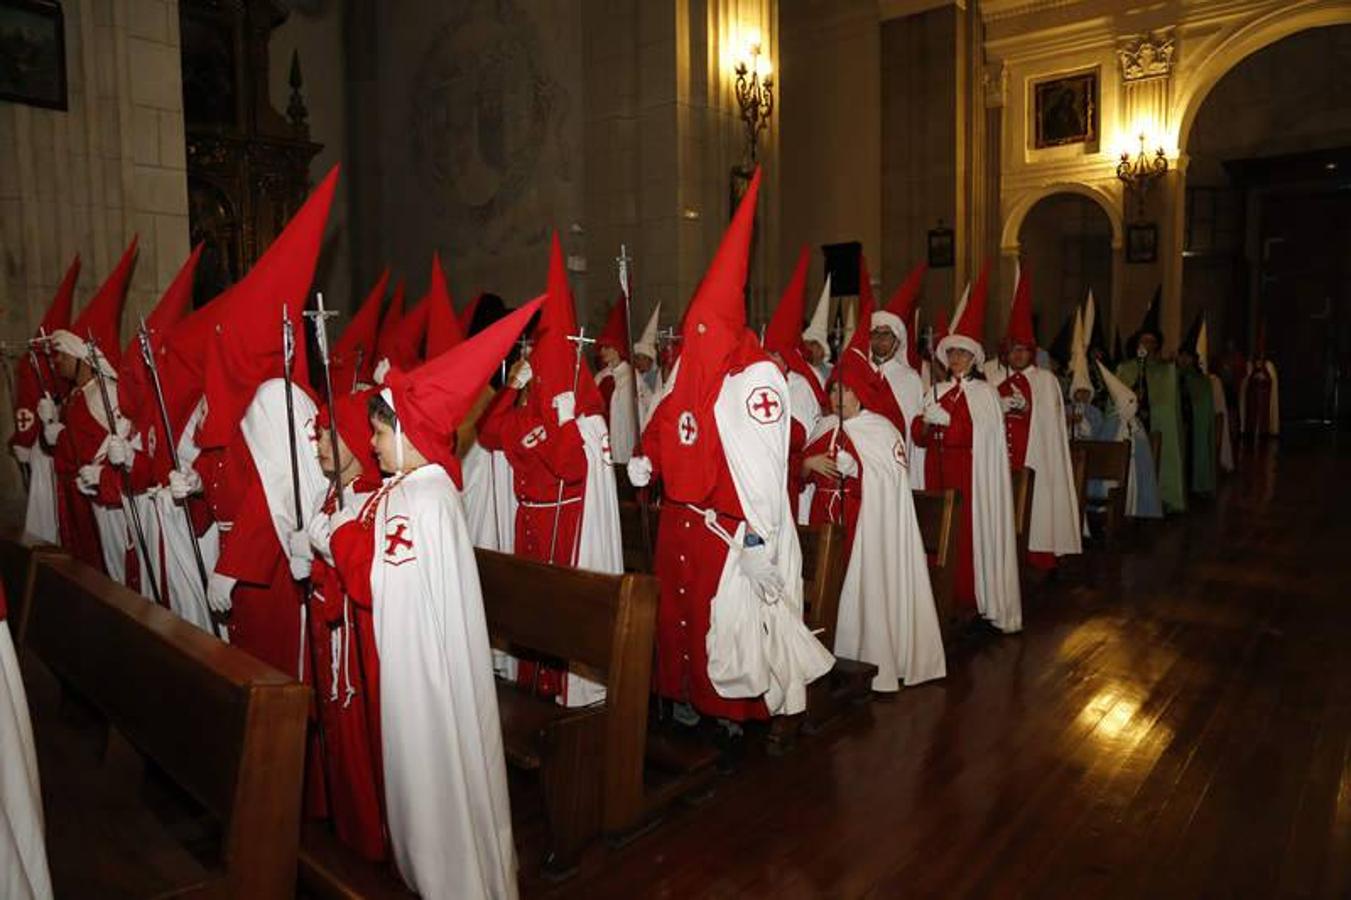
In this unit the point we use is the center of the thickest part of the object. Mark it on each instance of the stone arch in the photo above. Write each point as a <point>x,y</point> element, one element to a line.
<point>1244,42</point>
<point>1008,240</point>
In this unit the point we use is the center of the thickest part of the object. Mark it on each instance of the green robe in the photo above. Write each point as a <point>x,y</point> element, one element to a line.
<point>1202,435</point>
<point>1165,417</point>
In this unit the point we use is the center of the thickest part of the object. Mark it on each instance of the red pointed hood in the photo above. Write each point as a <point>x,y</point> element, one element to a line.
<point>903,303</point>
<point>1021,330</point>
<point>354,430</point>
<point>387,339</point>
<point>443,328</point>
<point>615,334</point>
<point>855,369</point>
<point>968,331</point>
<point>353,355</point>
<point>28,386</point>
<point>102,317</point>
<point>899,314</point>
<point>248,317</point>
<point>135,393</point>
<point>432,400</point>
<point>784,333</point>
<point>553,361</point>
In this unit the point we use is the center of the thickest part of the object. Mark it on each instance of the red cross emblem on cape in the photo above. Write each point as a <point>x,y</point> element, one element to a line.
<point>898,452</point>
<point>24,419</point>
<point>534,437</point>
<point>398,547</point>
<point>150,440</point>
<point>764,405</point>
<point>687,428</point>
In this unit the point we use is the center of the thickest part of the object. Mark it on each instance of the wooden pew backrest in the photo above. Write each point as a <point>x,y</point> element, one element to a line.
<point>225,727</point>
<point>937,513</point>
<point>605,622</point>
<point>823,567</point>
<point>1024,483</point>
<point>637,552</point>
<point>19,555</point>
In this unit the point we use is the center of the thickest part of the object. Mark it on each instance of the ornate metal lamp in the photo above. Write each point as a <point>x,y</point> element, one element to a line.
<point>1140,173</point>
<point>755,95</point>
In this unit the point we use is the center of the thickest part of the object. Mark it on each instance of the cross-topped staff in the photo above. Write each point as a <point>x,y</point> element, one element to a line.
<point>624,261</point>
<point>838,350</point>
<point>129,509</point>
<point>581,340</point>
<point>148,354</point>
<point>320,316</point>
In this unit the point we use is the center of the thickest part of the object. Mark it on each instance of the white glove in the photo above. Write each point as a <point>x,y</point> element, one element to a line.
<point>51,431</point>
<point>937,416</point>
<point>566,404</point>
<point>183,482</point>
<point>322,528</point>
<point>300,567</point>
<point>46,409</point>
<point>760,569</point>
<point>1014,402</point>
<point>119,451</point>
<point>218,589</point>
<point>522,376</point>
<point>847,465</point>
<point>87,480</point>
<point>299,544</point>
<point>381,370</point>
<point>640,471</point>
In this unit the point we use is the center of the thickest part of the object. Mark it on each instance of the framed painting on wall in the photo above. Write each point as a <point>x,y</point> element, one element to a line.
<point>1065,110</point>
<point>1142,243</point>
<point>33,53</point>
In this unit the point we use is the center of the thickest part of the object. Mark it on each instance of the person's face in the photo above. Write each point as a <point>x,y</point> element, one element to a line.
<point>324,444</point>
<point>67,366</point>
<point>384,442</point>
<point>959,361</point>
<point>844,403</point>
<point>1083,395</point>
<point>883,344</point>
<point>816,352</point>
<point>1020,357</point>
<point>609,355</point>
<point>642,362</point>
<point>1149,344</point>
<point>1186,359</point>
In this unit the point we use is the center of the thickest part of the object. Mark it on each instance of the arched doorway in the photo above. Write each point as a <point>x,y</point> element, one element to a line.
<point>1268,216</point>
<point>1066,242</point>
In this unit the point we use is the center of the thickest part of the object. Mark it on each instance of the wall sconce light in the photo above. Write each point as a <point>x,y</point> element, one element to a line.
<point>754,93</point>
<point>1140,173</point>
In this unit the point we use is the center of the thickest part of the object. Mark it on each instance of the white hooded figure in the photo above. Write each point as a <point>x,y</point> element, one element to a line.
<point>817,336</point>
<point>647,372</point>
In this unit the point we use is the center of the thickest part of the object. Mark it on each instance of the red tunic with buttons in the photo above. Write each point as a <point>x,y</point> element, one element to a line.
<point>541,452</point>
<point>826,506</point>
<point>343,632</point>
<point>689,562</point>
<point>1017,426</point>
<point>76,446</point>
<point>947,464</point>
<point>265,605</point>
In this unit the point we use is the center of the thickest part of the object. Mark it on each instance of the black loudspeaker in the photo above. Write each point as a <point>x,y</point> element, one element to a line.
<point>842,265</point>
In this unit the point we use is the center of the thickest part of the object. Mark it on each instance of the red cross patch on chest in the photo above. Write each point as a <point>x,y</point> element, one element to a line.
<point>687,428</point>
<point>534,437</point>
<point>398,541</point>
<point>898,453</point>
<point>24,419</point>
<point>764,405</point>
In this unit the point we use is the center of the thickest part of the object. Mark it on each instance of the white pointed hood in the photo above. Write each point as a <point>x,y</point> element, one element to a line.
<point>1123,398</point>
<point>647,341</point>
<point>819,328</point>
<point>1079,378</point>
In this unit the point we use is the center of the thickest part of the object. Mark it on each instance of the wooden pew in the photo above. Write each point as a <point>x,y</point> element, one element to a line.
<point>590,761</point>
<point>20,554</point>
<point>1024,483</point>
<point>823,568</point>
<point>638,546</point>
<point>1106,461</point>
<point>937,513</point>
<point>225,734</point>
<point>1079,466</point>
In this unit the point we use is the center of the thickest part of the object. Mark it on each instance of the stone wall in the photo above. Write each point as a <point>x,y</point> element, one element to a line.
<point>86,179</point>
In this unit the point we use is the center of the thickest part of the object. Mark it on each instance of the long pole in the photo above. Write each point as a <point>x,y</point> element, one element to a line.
<point>581,340</point>
<point>148,354</point>
<point>288,344</point>
<point>130,509</point>
<point>625,261</point>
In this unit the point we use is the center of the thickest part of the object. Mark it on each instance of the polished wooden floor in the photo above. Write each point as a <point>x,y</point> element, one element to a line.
<point>1175,721</point>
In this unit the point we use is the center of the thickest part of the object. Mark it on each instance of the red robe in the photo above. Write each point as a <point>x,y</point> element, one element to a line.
<point>1257,403</point>
<point>826,498</point>
<point>76,446</point>
<point>947,464</point>
<point>541,452</point>
<point>797,441</point>
<point>689,562</point>
<point>265,616</point>
<point>351,725</point>
<point>1017,426</point>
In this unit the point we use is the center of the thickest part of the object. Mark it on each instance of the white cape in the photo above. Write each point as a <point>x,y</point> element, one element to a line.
<point>887,615</point>
<point>993,534</point>
<point>648,398</point>
<point>23,852</point>
<point>1055,524</point>
<point>623,412</point>
<point>758,648</point>
<point>806,409</point>
<point>40,514</point>
<point>444,764</point>
<point>480,502</point>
